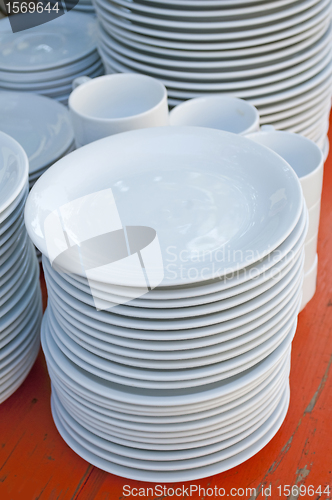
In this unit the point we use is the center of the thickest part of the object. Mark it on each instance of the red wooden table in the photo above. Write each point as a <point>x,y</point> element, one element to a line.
<point>36,464</point>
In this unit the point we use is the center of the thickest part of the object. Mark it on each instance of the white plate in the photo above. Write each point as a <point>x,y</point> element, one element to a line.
<point>245,88</point>
<point>14,169</point>
<point>188,338</point>
<point>251,66</point>
<point>50,74</point>
<point>171,414</point>
<point>164,146</point>
<point>223,414</point>
<point>176,349</point>
<point>12,286</point>
<point>14,211</point>
<point>153,360</point>
<point>9,239</point>
<point>159,398</point>
<point>114,371</point>
<point>276,21</point>
<point>20,305</point>
<point>39,124</point>
<point>205,292</point>
<point>67,39</point>
<point>271,31</point>
<point>198,9</point>
<point>243,48</point>
<point>162,460</point>
<point>321,95</point>
<point>183,358</point>
<point>14,351</point>
<point>19,323</point>
<point>6,259</point>
<point>240,312</point>
<point>184,415</point>
<point>54,83</point>
<point>14,268</point>
<point>306,117</point>
<point>202,4</point>
<point>9,309</point>
<point>167,445</point>
<point>13,254</point>
<point>19,376</point>
<point>182,311</point>
<point>195,411</point>
<point>125,376</point>
<point>276,101</point>
<point>235,455</point>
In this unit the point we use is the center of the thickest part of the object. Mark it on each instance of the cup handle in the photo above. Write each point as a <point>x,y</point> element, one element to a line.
<point>79,80</point>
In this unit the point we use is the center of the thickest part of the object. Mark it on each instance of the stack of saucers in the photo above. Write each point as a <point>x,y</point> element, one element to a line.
<point>174,270</point>
<point>41,125</point>
<point>20,297</point>
<point>46,59</point>
<point>275,54</point>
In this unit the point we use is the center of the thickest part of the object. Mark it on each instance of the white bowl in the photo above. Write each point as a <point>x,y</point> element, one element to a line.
<point>223,113</point>
<point>116,103</point>
<point>304,156</point>
<point>309,284</point>
<point>310,251</point>
<point>314,214</point>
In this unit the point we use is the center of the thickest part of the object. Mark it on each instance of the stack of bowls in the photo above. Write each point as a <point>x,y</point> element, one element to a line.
<point>275,54</point>
<point>174,271</point>
<point>307,160</point>
<point>41,125</point>
<point>45,59</point>
<point>20,297</point>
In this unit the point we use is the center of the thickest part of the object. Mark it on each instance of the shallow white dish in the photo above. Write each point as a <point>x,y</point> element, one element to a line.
<point>250,448</point>
<point>123,375</point>
<point>206,292</point>
<point>49,75</point>
<point>187,413</point>
<point>41,125</point>
<point>69,38</point>
<point>171,141</point>
<point>99,357</point>
<point>224,413</point>
<point>270,32</point>
<point>154,444</point>
<point>237,315</point>
<point>14,168</point>
<point>176,398</point>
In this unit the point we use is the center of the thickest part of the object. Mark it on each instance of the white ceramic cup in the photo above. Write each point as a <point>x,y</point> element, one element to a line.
<point>221,112</point>
<point>310,250</point>
<point>303,155</point>
<point>314,214</point>
<point>116,103</point>
<point>309,284</point>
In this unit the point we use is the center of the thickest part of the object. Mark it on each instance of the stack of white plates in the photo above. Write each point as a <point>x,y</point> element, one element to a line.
<point>46,59</point>
<point>85,6</point>
<point>174,289</point>
<point>41,125</point>
<point>20,297</point>
<point>275,54</point>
